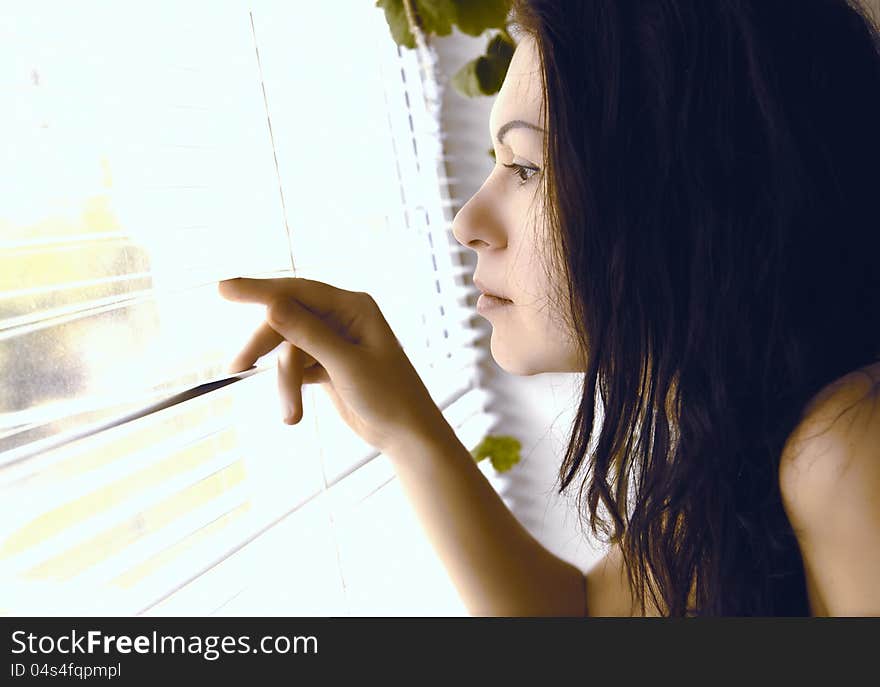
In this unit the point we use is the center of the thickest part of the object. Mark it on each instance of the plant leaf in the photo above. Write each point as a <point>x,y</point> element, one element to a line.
<point>503,451</point>
<point>501,47</point>
<point>395,15</point>
<point>438,16</point>
<point>465,80</point>
<point>485,74</point>
<point>437,19</point>
<point>473,18</point>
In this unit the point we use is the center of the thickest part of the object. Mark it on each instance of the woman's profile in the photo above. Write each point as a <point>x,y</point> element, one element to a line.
<point>684,212</point>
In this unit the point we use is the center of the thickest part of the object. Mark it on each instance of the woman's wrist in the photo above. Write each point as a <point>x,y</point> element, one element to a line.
<point>431,438</point>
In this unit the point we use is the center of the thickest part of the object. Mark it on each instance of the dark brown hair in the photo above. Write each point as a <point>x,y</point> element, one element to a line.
<point>711,177</point>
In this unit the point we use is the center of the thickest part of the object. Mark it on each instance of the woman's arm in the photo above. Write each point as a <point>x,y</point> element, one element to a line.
<point>341,340</point>
<point>498,568</point>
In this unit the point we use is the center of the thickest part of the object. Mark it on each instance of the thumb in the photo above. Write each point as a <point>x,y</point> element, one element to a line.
<point>308,332</point>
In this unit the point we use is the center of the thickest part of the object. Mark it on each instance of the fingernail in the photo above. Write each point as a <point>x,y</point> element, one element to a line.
<point>236,365</point>
<point>292,416</point>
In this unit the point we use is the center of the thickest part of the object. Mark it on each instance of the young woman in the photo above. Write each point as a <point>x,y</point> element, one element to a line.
<point>684,211</point>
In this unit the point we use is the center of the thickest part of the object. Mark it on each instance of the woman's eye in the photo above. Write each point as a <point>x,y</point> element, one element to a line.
<point>524,173</point>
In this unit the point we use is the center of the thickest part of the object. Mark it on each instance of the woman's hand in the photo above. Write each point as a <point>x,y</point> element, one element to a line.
<point>341,340</point>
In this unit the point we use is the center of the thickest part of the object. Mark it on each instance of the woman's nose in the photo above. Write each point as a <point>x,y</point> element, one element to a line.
<point>479,223</point>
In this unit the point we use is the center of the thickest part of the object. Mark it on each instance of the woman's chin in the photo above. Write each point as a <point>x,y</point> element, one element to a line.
<point>525,363</point>
<point>512,362</point>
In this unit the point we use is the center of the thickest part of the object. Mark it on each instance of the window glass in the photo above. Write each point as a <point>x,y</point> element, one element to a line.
<point>151,152</point>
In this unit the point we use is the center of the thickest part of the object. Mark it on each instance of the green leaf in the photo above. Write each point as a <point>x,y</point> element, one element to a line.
<point>485,74</point>
<point>473,17</point>
<point>501,47</point>
<point>437,18</point>
<point>465,80</point>
<point>395,15</point>
<point>502,450</point>
<point>490,73</point>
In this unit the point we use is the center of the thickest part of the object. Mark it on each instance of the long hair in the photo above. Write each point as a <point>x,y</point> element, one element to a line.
<point>711,185</point>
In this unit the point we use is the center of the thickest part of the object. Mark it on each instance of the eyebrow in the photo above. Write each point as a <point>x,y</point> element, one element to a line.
<point>515,124</point>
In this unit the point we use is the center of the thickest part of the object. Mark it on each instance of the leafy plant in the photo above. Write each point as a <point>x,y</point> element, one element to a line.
<point>502,450</point>
<point>482,75</point>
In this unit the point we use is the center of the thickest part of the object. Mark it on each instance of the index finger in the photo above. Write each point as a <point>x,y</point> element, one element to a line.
<point>315,295</point>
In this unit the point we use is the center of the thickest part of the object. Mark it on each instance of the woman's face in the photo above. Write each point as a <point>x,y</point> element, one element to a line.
<point>504,224</point>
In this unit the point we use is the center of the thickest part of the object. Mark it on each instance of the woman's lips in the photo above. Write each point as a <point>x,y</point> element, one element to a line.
<point>487,290</point>
<point>487,302</point>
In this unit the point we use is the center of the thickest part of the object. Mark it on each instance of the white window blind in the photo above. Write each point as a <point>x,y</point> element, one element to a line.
<point>149,153</point>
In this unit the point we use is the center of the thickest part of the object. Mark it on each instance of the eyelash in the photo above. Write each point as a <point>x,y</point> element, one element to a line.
<point>519,171</point>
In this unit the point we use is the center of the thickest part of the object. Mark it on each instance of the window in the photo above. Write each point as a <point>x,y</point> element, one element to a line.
<point>151,152</point>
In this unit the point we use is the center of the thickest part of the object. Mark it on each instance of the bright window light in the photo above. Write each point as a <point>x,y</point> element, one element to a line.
<point>135,478</point>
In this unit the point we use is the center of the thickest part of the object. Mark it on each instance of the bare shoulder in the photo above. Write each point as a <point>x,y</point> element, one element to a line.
<point>608,591</point>
<point>607,587</point>
<point>836,442</point>
<point>829,479</point>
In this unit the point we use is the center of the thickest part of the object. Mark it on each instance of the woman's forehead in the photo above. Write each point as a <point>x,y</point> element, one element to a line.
<point>525,58</point>
<point>520,96</point>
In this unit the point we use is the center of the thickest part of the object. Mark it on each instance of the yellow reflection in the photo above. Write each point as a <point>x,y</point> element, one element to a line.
<point>79,558</point>
<point>51,262</point>
<point>132,577</point>
<point>69,514</point>
<point>94,457</point>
